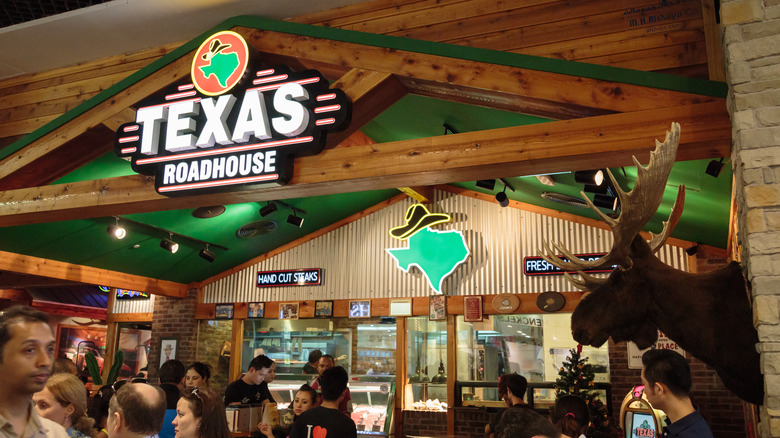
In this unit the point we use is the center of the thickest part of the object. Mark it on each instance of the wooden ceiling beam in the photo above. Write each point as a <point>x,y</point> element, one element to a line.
<point>371,93</point>
<point>579,144</point>
<point>29,265</point>
<point>534,84</point>
<point>59,162</point>
<point>74,128</point>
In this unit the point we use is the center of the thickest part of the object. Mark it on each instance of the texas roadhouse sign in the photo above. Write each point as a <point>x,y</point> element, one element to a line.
<point>236,123</point>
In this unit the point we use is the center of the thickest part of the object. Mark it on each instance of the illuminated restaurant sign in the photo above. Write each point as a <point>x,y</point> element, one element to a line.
<point>124,294</point>
<point>293,277</point>
<point>539,266</point>
<point>234,125</point>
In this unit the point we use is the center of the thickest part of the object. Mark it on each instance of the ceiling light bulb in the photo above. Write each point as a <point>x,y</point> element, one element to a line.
<point>502,199</point>
<point>598,178</point>
<point>116,231</point>
<point>207,255</point>
<point>268,209</point>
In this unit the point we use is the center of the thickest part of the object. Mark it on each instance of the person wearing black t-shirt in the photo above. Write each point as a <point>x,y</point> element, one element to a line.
<point>248,389</point>
<point>516,385</point>
<point>327,420</point>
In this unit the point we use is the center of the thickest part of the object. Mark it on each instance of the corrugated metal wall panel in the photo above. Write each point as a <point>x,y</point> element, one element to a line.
<point>133,306</point>
<point>355,264</point>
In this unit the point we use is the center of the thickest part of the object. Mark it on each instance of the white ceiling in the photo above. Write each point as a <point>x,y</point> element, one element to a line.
<point>124,26</point>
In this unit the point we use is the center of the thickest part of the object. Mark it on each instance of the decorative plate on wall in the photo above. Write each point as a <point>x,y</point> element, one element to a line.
<point>505,303</point>
<point>550,301</point>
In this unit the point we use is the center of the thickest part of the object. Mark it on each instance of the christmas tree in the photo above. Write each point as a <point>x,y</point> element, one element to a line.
<point>576,378</point>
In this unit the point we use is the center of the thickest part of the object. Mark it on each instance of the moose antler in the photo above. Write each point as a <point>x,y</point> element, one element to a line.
<point>637,207</point>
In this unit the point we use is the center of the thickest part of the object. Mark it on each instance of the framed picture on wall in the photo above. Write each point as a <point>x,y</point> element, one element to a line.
<point>472,309</point>
<point>323,309</point>
<point>224,311</point>
<point>288,310</point>
<point>437,307</point>
<point>167,349</point>
<point>74,341</point>
<point>360,309</point>
<point>256,310</point>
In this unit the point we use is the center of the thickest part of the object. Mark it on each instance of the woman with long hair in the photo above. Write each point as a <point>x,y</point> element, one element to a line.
<point>200,413</point>
<point>570,416</point>
<point>64,401</point>
<point>198,374</point>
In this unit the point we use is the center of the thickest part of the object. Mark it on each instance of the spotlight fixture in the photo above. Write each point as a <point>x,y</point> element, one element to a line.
<point>605,201</point>
<point>116,231</point>
<point>501,198</point>
<point>714,168</point>
<point>487,184</point>
<point>295,220</point>
<point>603,189</point>
<point>268,209</point>
<point>595,177</point>
<point>692,250</point>
<point>169,245</point>
<point>207,255</point>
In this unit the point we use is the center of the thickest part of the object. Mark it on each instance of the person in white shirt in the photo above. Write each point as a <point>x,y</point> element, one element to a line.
<point>26,357</point>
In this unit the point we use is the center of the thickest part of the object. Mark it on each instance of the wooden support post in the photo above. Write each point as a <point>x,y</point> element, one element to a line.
<point>400,375</point>
<point>236,343</point>
<point>452,372</point>
<point>112,336</point>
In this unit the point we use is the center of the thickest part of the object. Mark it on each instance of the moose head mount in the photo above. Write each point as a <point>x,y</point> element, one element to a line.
<point>709,315</point>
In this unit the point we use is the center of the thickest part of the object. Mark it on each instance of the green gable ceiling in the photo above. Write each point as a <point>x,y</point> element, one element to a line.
<point>705,218</point>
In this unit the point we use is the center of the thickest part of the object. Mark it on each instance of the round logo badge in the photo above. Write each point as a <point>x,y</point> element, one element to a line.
<point>219,63</point>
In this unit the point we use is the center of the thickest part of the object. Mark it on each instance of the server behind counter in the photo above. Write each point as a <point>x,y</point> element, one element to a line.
<point>251,387</point>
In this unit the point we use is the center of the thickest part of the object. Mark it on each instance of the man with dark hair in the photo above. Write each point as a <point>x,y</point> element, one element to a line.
<point>136,411</point>
<point>524,423</point>
<point>172,374</point>
<point>325,363</point>
<point>26,356</point>
<point>314,359</point>
<point>326,419</point>
<point>514,386</point>
<point>248,389</point>
<point>667,379</point>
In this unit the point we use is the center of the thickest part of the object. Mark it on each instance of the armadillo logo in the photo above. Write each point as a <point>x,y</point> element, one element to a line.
<point>234,125</point>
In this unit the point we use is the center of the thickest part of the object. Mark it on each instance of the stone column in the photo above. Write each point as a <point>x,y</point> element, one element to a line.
<point>751,45</point>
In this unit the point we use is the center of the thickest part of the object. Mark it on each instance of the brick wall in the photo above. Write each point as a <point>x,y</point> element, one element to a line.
<point>470,421</point>
<point>174,318</point>
<point>425,423</point>
<point>751,46</point>
<point>211,337</point>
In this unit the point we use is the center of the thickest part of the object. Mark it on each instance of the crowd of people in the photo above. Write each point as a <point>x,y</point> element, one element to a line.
<point>41,397</point>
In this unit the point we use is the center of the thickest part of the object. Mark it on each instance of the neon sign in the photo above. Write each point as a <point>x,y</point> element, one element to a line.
<point>235,125</point>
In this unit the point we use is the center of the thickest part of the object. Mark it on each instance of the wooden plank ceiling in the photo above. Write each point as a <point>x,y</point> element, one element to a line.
<point>601,119</point>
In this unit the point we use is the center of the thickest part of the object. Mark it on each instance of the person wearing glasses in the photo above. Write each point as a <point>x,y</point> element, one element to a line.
<point>26,355</point>
<point>200,414</point>
<point>136,411</point>
<point>64,401</point>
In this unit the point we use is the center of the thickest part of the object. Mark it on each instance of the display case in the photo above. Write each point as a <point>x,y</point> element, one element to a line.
<point>372,401</point>
<point>289,342</point>
<point>540,395</point>
<point>426,364</point>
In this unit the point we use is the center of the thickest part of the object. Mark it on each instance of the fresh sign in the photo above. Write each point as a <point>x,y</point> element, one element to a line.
<point>234,125</point>
<point>538,266</point>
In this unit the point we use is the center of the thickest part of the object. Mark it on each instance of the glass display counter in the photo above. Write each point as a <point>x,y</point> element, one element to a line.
<point>372,400</point>
<point>426,364</point>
